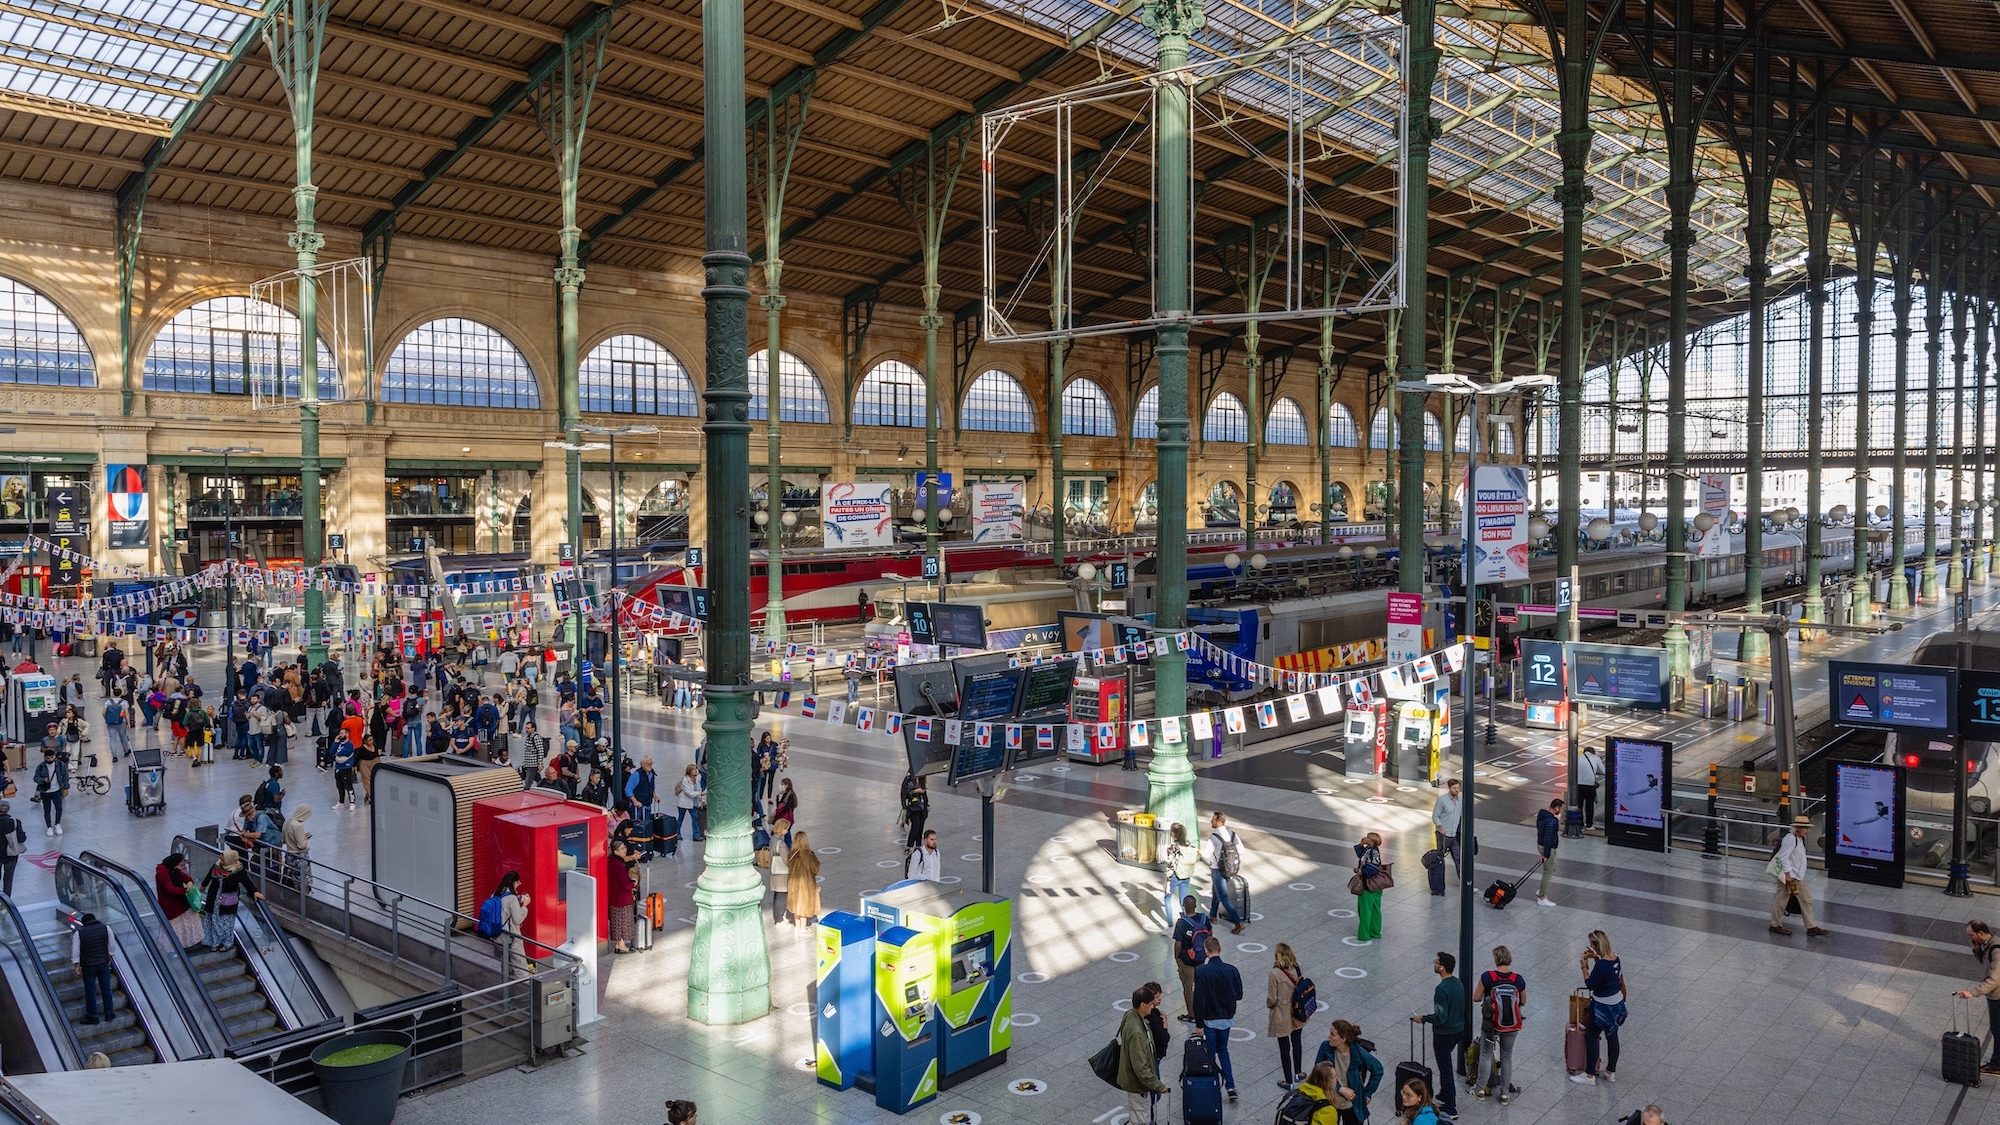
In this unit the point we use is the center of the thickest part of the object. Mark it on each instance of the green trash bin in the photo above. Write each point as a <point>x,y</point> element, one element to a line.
<point>361,1075</point>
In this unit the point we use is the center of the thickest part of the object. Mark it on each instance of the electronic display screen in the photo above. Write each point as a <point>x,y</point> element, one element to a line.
<point>1618,674</point>
<point>1084,632</point>
<point>971,761</point>
<point>1867,820</point>
<point>1045,691</point>
<point>1979,705</point>
<point>1542,669</point>
<point>988,697</point>
<point>972,962</point>
<point>1893,695</point>
<point>1639,796</point>
<point>918,616</point>
<point>926,691</point>
<point>956,624</point>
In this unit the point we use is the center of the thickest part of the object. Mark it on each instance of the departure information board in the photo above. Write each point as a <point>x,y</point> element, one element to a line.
<point>989,696</point>
<point>1045,691</point>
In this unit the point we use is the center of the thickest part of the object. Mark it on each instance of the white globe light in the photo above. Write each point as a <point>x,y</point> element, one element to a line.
<point>1648,521</point>
<point>1882,511</point>
<point>945,514</point>
<point>1346,552</point>
<point>762,518</point>
<point>790,519</point>
<point>1791,513</point>
<point>1232,560</point>
<point>1369,551</point>
<point>1600,529</point>
<point>1839,512</point>
<point>1940,505</point>
<point>1538,528</point>
<point>1087,571</point>
<point>1703,521</point>
<point>1259,562</point>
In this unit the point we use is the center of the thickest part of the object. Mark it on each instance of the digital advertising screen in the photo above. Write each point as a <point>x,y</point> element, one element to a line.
<point>1865,823</point>
<point>1893,696</point>
<point>957,624</point>
<point>1638,781</point>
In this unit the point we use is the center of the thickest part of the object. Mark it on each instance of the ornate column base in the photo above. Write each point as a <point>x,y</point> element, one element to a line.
<point>1170,788</point>
<point>729,975</point>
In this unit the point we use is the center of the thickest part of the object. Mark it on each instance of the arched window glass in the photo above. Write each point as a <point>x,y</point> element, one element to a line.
<point>1224,504</point>
<point>1146,419</point>
<point>1461,438</point>
<point>1340,429</point>
<point>1086,410</point>
<point>39,343</point>
<point>220,345</point>
<point>459,362</point>
<point>1286,425</point>
<point>1433,433</point>
<point>634,375</point>
<point>1503,437</point>
<point>997,404</point>
<point>1225,420</point>
<point>890,395</point>
<point>1384,431</point>
<point>801,397</point>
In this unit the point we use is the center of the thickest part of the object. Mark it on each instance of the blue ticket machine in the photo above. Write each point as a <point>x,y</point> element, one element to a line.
<point>906,1047</point>
<point>843,1023</point>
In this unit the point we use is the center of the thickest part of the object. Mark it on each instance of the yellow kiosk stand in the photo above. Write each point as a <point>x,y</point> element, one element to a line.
<point>1414,740</point>
<point>972,970</point>
<point>906,1047</point>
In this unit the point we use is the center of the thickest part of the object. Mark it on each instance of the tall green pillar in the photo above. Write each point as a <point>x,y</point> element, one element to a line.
<point>1754,644</point>
<point>1059,508</point>
<point>1819,214</point>
<point>1420,18</point>
<point>1934,300</point>
<point>1170,779</point>
<point>1981,334</point>
<point>1573,143</point>
<point>729,975</point>
<point>784,121</point>
<point>1682,134</point>
<point>1900,270</point>
<point>1955,579</point>
<point>929,205</point>
<point>1862,600</point>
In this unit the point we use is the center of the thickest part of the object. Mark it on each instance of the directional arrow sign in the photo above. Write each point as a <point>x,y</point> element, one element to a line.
<point>68,514</point>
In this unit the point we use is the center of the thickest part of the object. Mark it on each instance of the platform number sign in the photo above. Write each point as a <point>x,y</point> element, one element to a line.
<point>1563,595</point>
<point>1979,705</point>
<point>700,598</point>
<point>1121,575</point>
<point>566,553</point>
<point>694,556</point>
<point>336,542</point>
<point>932,568</point>
<point>1542,666</point>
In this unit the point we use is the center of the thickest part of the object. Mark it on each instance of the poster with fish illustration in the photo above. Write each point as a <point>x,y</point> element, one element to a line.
<point>857,515</point>
<point>1496,525</point>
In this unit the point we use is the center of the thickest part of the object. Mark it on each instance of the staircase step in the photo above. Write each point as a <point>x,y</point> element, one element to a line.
<point>230,987</point>
<point>231,1007</point>
<point>135,1056</point>
<point>111,1043</point>
<point>251,1026</point>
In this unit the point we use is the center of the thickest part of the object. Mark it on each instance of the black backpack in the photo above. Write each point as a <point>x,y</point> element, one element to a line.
<point>1305,999</point>
<point>1197,945</point>
<point>1298,1109</point>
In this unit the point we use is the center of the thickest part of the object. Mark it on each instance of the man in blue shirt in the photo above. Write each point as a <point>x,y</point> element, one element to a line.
<point>486,719</point>
<point>1217,988</point>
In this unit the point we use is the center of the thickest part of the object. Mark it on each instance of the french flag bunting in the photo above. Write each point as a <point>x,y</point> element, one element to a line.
<point>894,725</point>
<point>1107,734</point>
<point>1013,737</point>
<point>1045,739</point>
<point>865,719</point>
<point>982,734</point>
<point>923,730</point>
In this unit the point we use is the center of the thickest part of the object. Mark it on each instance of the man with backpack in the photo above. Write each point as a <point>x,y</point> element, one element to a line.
<point>1447,1020</point>
<point>118,722</point>
<point>1217,989</point>
<point>1190,949</point>
<point>13,842</point>
<point>1138,1070</point>
<point>1223,851</point>
<point>1502,996</point>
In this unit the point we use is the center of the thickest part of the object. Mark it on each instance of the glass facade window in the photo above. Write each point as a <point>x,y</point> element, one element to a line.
<point>218,346</point>
<point>248,496</point>
<point>1226,420</point>
<point>1225,504</point>
<point>801,398</point>
<point>997,404</point>
<point>1086,410</point>
<point>39,344</point>
<point>890,395</point>
<point>1503,437</point>
<point>23,495</point>
<point>431,496</point>
<point>1341,433</point>
<point>1433,433</point>
<point>1146,416</point>
<point>1286,425</point>
<point>634,375</point>
<point>1461,438</point>
<point>1384,432</point>
<point>459,362</point>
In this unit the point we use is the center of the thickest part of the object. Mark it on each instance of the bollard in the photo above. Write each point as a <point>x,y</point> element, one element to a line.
<point>1711,836</point>
<point>1785,800</point>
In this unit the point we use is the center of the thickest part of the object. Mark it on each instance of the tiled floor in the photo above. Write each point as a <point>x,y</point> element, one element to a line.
<point>1728,1023</point>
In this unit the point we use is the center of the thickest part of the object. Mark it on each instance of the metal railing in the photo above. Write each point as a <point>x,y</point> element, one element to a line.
<point>163,1009</point>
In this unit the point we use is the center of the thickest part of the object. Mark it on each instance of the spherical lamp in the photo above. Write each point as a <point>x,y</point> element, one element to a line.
<point>1346,552</point>
<point>1648,521</point>
<point>762,518</point>
<point>1232,560</point>
<point>1791,514</point>
<point>1259,562</point>
<point>1087,571</point>
<point>1538,528</point>
<point>1838,514</point>
<point>1600,529</point>
<point>789,519</point>
<point>1703,521</point>
<point>1882,511</point>
<point>945,514</point>
<point>1369,552</point>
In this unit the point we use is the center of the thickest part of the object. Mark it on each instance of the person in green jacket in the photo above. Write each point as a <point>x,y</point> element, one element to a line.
<point>1447,1020</point>
<point>1138,1075</point>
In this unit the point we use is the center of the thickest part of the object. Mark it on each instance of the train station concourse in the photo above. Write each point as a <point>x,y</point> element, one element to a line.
<point>1041,561</point>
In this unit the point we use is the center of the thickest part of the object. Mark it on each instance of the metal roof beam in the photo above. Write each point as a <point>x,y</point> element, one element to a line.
<point>133,190</point>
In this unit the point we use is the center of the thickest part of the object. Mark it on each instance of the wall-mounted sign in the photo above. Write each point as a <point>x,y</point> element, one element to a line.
<point>126,509</point>
<point>1624,674</point>
<point>1893,696</point>
<point>1865,823</point>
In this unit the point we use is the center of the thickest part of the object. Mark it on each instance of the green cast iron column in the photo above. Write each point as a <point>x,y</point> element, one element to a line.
<point>1818,216</point>
<point>1754,643</point>
<point>1058,517</point>
<point>1325,439</point>
<point>1253,432</point>
<point>1900,269</point>
<point>1981,330</point>
<point>929,209</point>
<point>1573,142</point>
<point>1862,599</point>
<point>729,977</point>
<point>293,34</point>
<point>1170,779</point>
<point>1934,299</point>
<point>784,121</point>
<point>1955,578</point>
<point>1420,17</point>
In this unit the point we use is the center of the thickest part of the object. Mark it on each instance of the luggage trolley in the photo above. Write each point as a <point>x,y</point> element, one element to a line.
<point>146,783</point>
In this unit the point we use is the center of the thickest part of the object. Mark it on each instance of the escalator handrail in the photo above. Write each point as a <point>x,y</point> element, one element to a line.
<point>262,912</point>
<point>142,1000</point>
<point>45,1000</point>
<point>173,957</point>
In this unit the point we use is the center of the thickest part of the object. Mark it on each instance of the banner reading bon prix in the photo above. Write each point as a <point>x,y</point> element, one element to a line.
<point>857,515</point>
<point>1496,524</point>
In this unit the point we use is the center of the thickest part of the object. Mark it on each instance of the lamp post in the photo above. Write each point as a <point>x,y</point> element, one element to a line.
<point>582,628</point>
<point>1460,384</point>
<point>229,560</point>
<point>611,434</point>
<point>34,553</point>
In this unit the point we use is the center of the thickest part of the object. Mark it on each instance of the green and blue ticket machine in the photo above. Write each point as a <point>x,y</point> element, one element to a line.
<point>915,992</point>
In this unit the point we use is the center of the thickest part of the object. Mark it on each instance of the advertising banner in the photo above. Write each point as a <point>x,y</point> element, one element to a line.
<point>1639,774</point>
<point>1496,524</point>
<point>857,515</point>
<point>996,511</point>
<point>943,489</point>
<point>1406,627</point>
<point>1865,825</point>
<point>1714,543</point>
<point>125,501</point>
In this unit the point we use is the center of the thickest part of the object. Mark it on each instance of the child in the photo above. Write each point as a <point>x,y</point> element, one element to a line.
<point>343,772</point>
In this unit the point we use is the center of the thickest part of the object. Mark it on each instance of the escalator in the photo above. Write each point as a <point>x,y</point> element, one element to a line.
<point>36,1034</point>
<point>153,1018</point>
<point>122,1035</point>
<point>263,963</point>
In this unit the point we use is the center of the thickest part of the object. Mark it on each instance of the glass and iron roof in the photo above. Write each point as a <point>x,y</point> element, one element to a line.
<point>143,58</point>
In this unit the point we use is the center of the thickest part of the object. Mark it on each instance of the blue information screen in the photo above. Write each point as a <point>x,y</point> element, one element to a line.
<point>1618,674</point>
<point>1896,696</point>
<point>1979,705</point>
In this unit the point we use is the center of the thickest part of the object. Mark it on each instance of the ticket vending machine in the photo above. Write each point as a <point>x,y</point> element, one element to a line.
<point>844,1022</point>
<point>973,974</point>
<point>542,842</point>
<point>906,1018</point>
<point>1413,744</point>
<point>1099,699</point>
<point>1361,743</point>
<point>33,702</point>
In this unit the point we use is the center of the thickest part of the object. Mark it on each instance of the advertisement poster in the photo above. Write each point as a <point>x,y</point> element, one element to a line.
<point>13,497</point>
<point>125,499</point>
<point>996,511</point>
<point>1406,627</point>
<point>857,515</point>
<point>1867,803</point>
<point>1496,524</point>
<point>1884,695</point>
<point>1714,543</point>
<point>1640,779</point>
<point>943,490</point>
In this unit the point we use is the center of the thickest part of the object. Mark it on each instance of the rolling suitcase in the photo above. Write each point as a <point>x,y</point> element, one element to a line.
<point>1961,1050</point>
<point>666,835</point>
<point>1500,893</point>
<point>642,933</point>
<point>1418,1067</point>
<point>1239,894</point>
<point>1201,1082</point>
<point>1576,1057</point>
<point>1435,871</point>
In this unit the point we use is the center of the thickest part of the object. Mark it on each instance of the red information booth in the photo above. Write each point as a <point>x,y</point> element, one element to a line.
<point>541,836</point>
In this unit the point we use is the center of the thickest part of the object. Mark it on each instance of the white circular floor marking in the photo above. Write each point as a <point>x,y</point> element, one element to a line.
<point>950,879</point>
<point>1406,789</point>
<point>800,1009</point>
<point>806,1065</point>
<point>1324,792</point>
<point>887,863</point>
<point>1124,956</point>
<point>1378,800</point>
<point>1038,880</point>
<point>1239,1034</point>
<point>1059,839</point>
<point>1339,913</point>
<point>829,851</point>
<point>1032,978</point>
<point>1025,1019</point>
<point>1349,972</point>
<point>1355,941</point>
<point>1299,886</point>
<point>1252,947</point>
<point>972,857</point>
